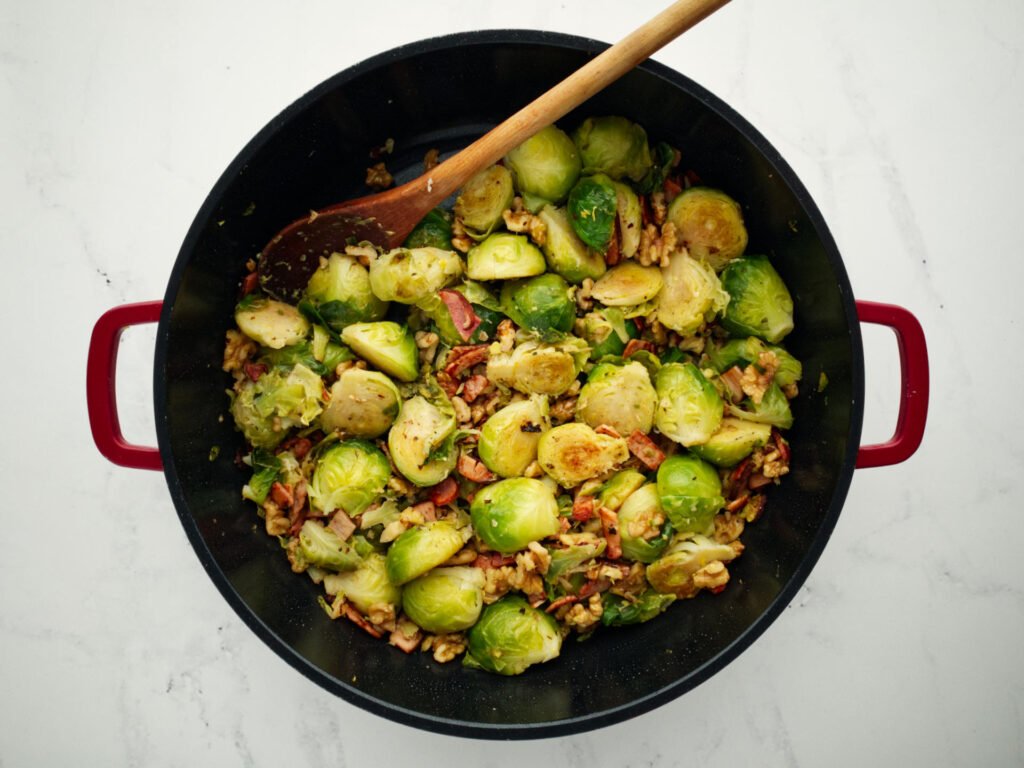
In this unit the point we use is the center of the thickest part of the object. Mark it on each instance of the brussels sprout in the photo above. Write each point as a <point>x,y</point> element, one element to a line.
<point>484,306</point>
<point>743,352</point>
<point>321,357</point>
<point>643,527</point>
<point>538,368</point>
<point>266,468</point>
<point>592,206</point>
<point>508,439</point>
<point>365,587</point>
<point>270,323</point>
<point>759,302</point>
<point>607,332</point>
<point>572,453</point>
<point>339,293</point>
<point>689,407</point>
<point>511,636</point>
<point>504,256</point>
<point>387,345</point>
<point>509,514</point>
<point>690,492</point>
<point>710,224</point>
<point>772,410</point>
<point>613,145</point>
<point>483,199</point>
<point>349,475</point>
<point>433,231</point>
<point>421,548</point>
<point>620,612</point>
<point>627,285</point>
<point>445,599</point>
<point>278,400</point>
<point>565,253</point>
<point>546,165</point>
<point>673,572</point>
<point>620,487</point>
<point>663,159</point>
<point>323,548</point>
<point>692,295</point>
<point>363,404</point>
<point>421,441</point>
<point>620,396</point>
<point>408,275</point>
<point>630,216</point>
<point>734,441</point>
<point>539,303</point>
<point>568,560</point>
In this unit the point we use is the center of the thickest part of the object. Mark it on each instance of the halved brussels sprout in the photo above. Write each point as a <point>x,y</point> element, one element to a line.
<point>363,404</point>
<point>689,407</point>
<point>773,409</point>
<point>483,304</point>
<point>367,586</point>
<point>627,285</point>
<point>572,453</point>
<point>620,396</point>
<point>759,302</point>
<point>389,346</point>
<point>692,295</point>
<point>483,199</point>
<point>565,253</point>
<point>323,548</point>
<point>743,352</point>
<point>422,548</point>
<point>508,439</point>
<point>673,572</point>
<point>613,145</point>
<point>433,231</point>
<point>630,220</point>
<point>620,612</point>
<point>509,514</point>
<point>607,332</point>
<point>643,537</point>
<point>734,441</point>
<point>504,256</point>
<point>278,400</point>
<point>271,323</point>
<point>420,442</point>
<point>445,599</point>
<point>511,636</point>
<point>538,368</point>
<point>339,293</point>
<point>710,224</point>
<point>592,206</point>
<point>349,475</point>
<point>566,561</point>
<point>539,303</point>
<point>546,165</point>
<point>690,492</point>
<point>620,487</point>
<point>408,275</point>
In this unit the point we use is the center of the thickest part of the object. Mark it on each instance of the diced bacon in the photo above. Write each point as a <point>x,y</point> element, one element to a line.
<point>672,189</point>
<point>474,387</point>
<point>493,560</point>
<point>447,383</point>
<point>649,454</point>
<point>445,492</point>
<point>646,217</point>
<point>612,256</point>
<point>556,604</point>
<point>738,503</point>
<point>404,642</point>
<point>426,510</point>
<point>282,494</point>
<point>635,345</point>
<point>733,380</point>
<point>610,524</point>
<point>583,508</point>
<point>783,446</point>
<point>473,469</point>
<point>299,500</point>
<point>606,429</point>
<point>758,480</point>
<point>461,312</point>
<point>254,370</point>
<point>250,282</point>
<point>353,615</point>
<point>342,524</point>
<point>299,446</point>
<point>592,587</point>
<point>463,358</point>
<point>739,477</point>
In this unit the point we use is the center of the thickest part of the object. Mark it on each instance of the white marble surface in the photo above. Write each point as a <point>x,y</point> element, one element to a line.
<point>903,117</point>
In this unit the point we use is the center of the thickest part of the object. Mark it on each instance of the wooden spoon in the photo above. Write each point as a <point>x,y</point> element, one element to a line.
<point>386,219</point>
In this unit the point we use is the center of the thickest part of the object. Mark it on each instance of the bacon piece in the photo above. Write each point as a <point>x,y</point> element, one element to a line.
<point>612,255</point>
<point>254,370</point>
<point>733,380</point>
<point>474,387</point>
<point>426,509</point>
<point>462,358</point>
<point>447,383</point>
<point>592,587</point>
<point>473,469</point>
<point>461,312</point>
<point>610,524</point>
<point>583,508</point>
<point>445,492</point>
<point>737,484</point>
<point>493,560</point>
<point>758,480</point>
<point>672,189</point>
<point>646,217</point>
<point>738,503</point>
<point>299,500</point>
<point>342,524</point>
<point>300,446</point>
<point>635,345</point>
<point>358,619</point>
<point>641,446</point>
<point>282,494</point>
<point>556,604</point>
<point>783,446</point>
<point>605,429</point>
<point>250,282</point>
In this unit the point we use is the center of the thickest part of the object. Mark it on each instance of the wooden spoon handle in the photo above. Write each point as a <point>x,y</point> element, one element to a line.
<point>594,76</point>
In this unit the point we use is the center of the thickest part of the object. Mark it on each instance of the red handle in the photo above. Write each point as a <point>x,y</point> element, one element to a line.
<point>914,389</point>
<point>100,395</point>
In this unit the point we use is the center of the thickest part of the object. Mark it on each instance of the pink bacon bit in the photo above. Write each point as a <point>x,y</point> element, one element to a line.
<point>353,615</point>
<point>462,314</point>
<point>583,508</point>
<point>445,492</point>
<point>473,469</point>
<point>610,524</point>
<point>648,453</point>
<point>250,283</point>
<point>474,387</point>
<point>254,370</point>
<point>463,358</point>
<point>635,345</point>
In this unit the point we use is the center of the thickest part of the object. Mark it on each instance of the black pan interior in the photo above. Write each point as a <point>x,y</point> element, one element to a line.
<point>443,93</point>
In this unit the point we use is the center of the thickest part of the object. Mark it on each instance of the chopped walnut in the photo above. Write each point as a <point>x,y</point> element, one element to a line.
<point>497,582</point>
<point>584,293</point>
<point>775,464</point>
<point>657,245</point>
<point>506,335</point>
<point>712,576</point>
<point>445,647</point>
<point>460,240</point>
<point>533,469</point>
<point>584,616</point>
<point>524,221</point>
<point>563,410</point>
<point>728,527</point>
<point>426,343</point>
<point>463,413</point>
<point>378,177</point>
<point>791,390</point>
<point>659,207</point>
<point>276,519</point>
<point>362,253</point>
<point>237,351</point>
<point>757,378</point>
<point>382,615</point>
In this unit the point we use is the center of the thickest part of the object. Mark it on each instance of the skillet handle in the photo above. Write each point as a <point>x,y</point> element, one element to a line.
<point>914,388</point>
<point>100,377</point>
